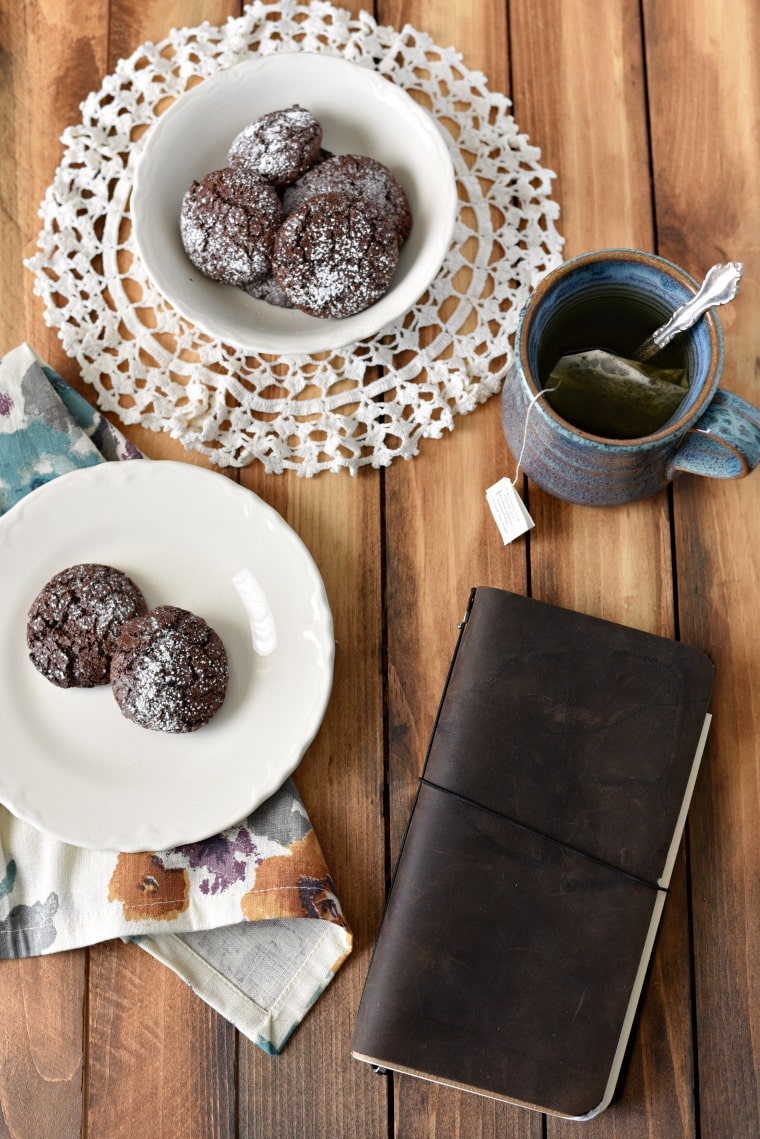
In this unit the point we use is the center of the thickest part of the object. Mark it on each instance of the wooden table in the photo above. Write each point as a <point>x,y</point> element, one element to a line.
<point>648,110</point>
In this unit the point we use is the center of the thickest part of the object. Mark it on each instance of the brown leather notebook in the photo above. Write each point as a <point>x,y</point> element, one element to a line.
<point>537,859</point>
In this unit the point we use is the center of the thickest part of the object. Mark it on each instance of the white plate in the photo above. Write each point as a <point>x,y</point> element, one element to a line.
<point>361,113</point>
<point>70,763</point>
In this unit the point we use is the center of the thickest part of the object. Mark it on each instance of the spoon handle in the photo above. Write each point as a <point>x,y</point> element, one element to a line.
<point>719,286</point>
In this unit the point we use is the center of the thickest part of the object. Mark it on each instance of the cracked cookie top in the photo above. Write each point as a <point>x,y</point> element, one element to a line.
<point>228,223</point>
<point>354,174</point>
<point>279,146</point>
<point>335,255</point>
<point>169,672</point>
<point>75,620</point>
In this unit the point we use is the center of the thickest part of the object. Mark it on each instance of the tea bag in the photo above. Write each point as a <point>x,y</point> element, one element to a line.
<point>614,397</point>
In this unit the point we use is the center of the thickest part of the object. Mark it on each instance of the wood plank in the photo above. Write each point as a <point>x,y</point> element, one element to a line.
<point>47,68</point>
<point>579,91</point>
<point>160,1061</point>
<point>705,109</point>
<point>50,65</point>
<point>41,1046</point>
<point>134,24</point>
<point>314,1087</point>
<point>438,545</point>
<point>440,542</point>
<point>438,549</point>
<point>171,1058</point>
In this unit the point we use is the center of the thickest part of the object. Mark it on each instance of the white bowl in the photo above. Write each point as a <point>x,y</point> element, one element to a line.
<point>361,113</point>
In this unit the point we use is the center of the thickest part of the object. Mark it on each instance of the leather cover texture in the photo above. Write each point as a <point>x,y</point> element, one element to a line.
<point>532,875</point>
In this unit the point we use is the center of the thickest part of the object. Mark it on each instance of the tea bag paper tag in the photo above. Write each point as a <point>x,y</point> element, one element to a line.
<point>508,510</point>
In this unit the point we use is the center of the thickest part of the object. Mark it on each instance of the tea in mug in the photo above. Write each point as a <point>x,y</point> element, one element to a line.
<point>600,388</point>
<point>614,397</point>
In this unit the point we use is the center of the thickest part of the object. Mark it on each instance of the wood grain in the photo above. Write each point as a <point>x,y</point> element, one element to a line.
<point>50,63</point>
<point>579,88</point>
<point>41,1054</point>
<point>440,542</point>
<point>172,1057</point>
<point>705,107</point>
<point>648,112</point>
<point>48,67</point>
<point>314,1087</point>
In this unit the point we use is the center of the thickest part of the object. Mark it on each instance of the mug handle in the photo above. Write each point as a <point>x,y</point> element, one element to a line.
<point>724,443</point>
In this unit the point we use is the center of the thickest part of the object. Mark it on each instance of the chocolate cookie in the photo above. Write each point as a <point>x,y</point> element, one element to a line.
<point>335,255</point>
<point>228,223</point>
<point>354,174</point>
<point>75,620</point>
<point>169,672</point>
<point>279,146</point>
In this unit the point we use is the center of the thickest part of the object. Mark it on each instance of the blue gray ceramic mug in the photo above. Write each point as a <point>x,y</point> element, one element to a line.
<point>614,299</point>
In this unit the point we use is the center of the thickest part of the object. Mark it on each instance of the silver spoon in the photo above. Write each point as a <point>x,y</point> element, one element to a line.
<point>719,286</point>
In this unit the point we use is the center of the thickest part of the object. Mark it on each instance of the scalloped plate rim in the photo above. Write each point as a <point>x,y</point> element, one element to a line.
<point>165,262</point>
<point>286,559</point>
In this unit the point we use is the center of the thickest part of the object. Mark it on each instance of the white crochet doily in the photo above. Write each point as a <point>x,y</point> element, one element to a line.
<point>369,402</point>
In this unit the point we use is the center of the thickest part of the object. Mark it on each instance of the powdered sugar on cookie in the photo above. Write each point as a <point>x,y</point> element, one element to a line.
<point>335,255</point>
<point>228,223</point>
<point>336,251</point>
<point>280,146</point>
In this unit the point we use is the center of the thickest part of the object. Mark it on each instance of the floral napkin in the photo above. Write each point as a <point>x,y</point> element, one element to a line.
<point>249,917</point>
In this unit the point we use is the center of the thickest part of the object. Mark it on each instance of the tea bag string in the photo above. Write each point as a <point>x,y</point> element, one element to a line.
<point>531,405</point>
